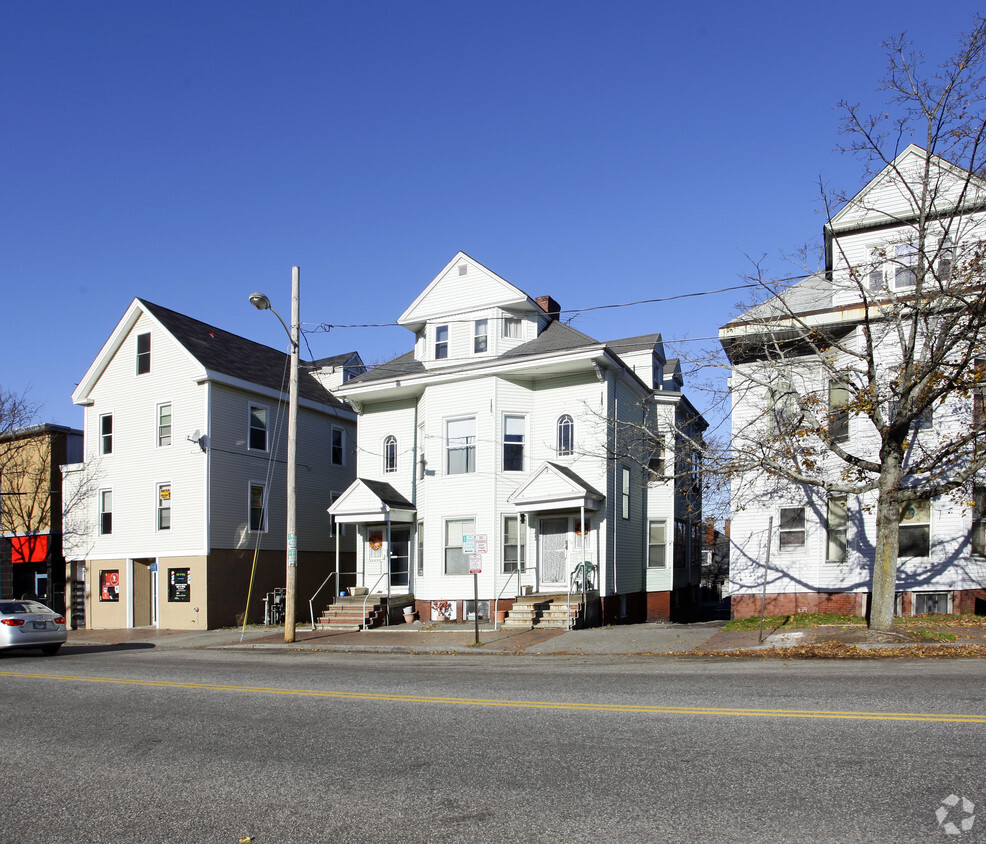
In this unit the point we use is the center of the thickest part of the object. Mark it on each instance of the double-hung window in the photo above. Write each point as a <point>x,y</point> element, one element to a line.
<point>164,506</point>
<point>914,530</point>
<point>258,428</point>
<point>874,276</point>
<point>143,354</point>
<point>792,531</point>
<point>511,328</point>
<point>258,508</point>
<point>657,544</point>
<point>946,257</point>
<point>164,425</point>
<point>905,264</point>
<point>460,439</point>
<point>566,436</point>
<point>390,454</point>
<point>106,511</point>
<point>836,530</point>
<point>513,545</point>
<point>480,336</point>
<point>513,443</point>
<point>441,342</point>
<point>456,559</point>
<point>978,536</point>
<point>106,433</point>
<point>625,491</point>
<point>838,411</point>
<point>338,447</point>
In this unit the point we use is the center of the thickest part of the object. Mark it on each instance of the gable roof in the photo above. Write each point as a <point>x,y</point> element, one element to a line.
<point>217,351</point>
<point>484,286</point>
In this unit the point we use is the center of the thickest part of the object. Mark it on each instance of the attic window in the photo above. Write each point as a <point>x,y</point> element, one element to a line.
<point>463,269</point>
<point>143,354</point>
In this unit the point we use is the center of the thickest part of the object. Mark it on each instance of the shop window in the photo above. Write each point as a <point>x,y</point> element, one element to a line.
<point>109,585</point>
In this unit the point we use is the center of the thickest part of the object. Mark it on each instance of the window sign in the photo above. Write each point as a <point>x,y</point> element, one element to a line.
<point>109,585</point>
<point>178,586</point>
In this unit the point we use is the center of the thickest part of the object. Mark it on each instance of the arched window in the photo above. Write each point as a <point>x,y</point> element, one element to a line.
<point>566,436</point>
<point>390,453</point>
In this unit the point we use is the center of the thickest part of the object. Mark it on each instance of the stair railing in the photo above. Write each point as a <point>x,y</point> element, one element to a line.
<point>311,600</point>
<point>581,575</point>
<point>496,601</point>
<point>367,598</point>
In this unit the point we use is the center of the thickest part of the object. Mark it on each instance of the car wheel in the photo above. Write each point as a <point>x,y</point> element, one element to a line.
<point>50,650</point>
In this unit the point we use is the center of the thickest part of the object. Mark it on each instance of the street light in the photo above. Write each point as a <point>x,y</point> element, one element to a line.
<point>262,303</point>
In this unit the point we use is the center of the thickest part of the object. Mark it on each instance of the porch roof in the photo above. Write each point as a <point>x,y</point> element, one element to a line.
<point>372,501</point>
<point>555,487</point>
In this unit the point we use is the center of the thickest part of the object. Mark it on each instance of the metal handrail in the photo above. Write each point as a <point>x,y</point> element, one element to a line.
<point>496,601</point>
<point>367,598</point>
<point>586,568</point>
<point>311,600</point>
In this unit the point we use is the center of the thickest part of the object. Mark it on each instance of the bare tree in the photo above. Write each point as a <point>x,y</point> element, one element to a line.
<point>892,333</point>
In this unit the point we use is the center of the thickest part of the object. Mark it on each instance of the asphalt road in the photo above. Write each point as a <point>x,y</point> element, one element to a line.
<point>149,745</point>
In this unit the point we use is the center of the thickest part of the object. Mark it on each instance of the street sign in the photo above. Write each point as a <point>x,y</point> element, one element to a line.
<point>468,543</point>
<point>475,564</point>
<point>482,546</point>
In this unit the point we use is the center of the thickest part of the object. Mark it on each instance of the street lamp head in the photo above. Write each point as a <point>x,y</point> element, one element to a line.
<point>259,301</point>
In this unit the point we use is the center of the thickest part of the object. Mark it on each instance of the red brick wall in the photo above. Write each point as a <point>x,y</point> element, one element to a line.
<point>658,606</point>
<point>847,603</point>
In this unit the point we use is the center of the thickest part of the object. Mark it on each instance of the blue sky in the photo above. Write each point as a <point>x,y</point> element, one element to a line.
<point>191,152</point>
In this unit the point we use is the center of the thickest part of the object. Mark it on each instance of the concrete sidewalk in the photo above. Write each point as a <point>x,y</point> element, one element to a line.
<point>418,637</point>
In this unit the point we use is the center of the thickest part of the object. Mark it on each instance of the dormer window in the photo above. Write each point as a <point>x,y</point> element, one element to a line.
<point>480,336</point>
<point>906,258</point>
<point>511,328</point>
<point>441,342</point>
<point>143,354</point>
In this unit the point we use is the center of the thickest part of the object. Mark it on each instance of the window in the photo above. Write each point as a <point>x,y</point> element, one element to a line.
<point>946,257</point>
<point>480,336</point>
<point>657,545</point>
<point>914,532</point>
<point>106,433</point>
<point>338,447</point>
<point>935,603</point>
<point>878,255</point>
<point>979,394</point>
<point>420,562</point>
<point>792,528</point>
<point>838,411</point>
<point>511,328</point>
<point>164,506</point>
<point>163,425</point>
<point>978,535</point>
<point>782,408</point>
<point>258,508</point>
<point>680,543</point>
<point>460,436</point>
<point>837,523</point>
<point>566,436</point>
<point>456,560</point>
<point>143,354</point>
<point>336,528</point>
<point>625,473</point>
<point>513,443</point>
<point>109,585</point>
<point>441,342</point>
<point>390,454</point>
<point>656,462</point>
<point>258,428</point>
<point>906,258</point>
<point>422,462</point>
<point>513,545</point>
<point>106,511</point>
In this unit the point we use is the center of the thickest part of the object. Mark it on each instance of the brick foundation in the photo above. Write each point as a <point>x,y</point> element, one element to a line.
<point>844,603</point>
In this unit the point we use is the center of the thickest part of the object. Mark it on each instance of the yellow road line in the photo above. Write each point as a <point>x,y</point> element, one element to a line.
<point>525,704</point>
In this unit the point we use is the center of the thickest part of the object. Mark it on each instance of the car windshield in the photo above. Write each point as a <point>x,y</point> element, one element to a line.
<point>21,607</point>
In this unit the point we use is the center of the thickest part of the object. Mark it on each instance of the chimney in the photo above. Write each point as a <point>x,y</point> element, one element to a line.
<point>549,306</point>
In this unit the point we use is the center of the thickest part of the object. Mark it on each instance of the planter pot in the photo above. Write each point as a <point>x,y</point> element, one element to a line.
<point>501,616</point>
<point>409,614</point>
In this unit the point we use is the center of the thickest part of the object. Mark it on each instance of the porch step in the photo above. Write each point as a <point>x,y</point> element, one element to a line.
<point>546,611</point>
<point>347,614</point>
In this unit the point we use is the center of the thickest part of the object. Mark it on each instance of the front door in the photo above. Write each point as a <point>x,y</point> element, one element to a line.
<point>553,537</point>
<point>144,594</point>
<point>400,547</point>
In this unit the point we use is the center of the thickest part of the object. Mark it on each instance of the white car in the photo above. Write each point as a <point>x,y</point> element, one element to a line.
<point>28,624</point>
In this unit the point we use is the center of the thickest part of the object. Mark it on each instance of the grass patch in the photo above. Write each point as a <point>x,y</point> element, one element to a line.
<point>798,621</point>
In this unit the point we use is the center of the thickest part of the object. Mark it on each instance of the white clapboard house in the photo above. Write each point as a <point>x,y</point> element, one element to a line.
<point>508,444</point>
<point>183,480</point>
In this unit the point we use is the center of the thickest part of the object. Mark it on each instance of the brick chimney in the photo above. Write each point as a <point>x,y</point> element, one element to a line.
<point>549,306</point>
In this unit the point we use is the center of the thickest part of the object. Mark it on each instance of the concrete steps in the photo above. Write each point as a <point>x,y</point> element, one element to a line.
<point>546,611</point>
<point>347,614</point>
